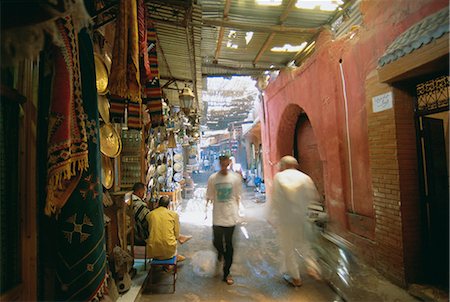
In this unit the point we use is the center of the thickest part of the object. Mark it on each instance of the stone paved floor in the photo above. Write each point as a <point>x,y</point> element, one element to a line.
<point>255,267</point>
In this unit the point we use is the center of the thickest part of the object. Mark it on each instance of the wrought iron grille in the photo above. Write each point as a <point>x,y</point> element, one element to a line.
<point>433,95</point>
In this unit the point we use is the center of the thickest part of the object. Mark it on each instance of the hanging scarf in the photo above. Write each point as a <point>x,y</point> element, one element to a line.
<point>67,153</point>
<point>120,107</point>
<point>153,91</point>
<point>134,116</point>
<point>124,80</point>
<point>81,256</point>
<point>117,106</point>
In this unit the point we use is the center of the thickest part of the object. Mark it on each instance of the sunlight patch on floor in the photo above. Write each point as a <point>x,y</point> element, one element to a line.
<point>196,211</point>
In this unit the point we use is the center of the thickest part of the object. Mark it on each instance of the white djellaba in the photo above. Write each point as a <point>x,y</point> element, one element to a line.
<point>293,191</point>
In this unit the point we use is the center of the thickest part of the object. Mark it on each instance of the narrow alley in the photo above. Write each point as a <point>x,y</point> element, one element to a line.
<point>224,150</point>
<point>256,267</point>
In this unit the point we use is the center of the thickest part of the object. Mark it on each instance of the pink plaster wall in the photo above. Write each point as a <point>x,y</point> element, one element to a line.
<point>316,88</point>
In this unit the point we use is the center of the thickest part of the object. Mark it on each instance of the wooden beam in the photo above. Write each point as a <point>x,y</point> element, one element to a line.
<point>259,27</point>
<point>168,83</point>
<point>228,67</point>
<point>263,48</point>
<point>287,9</point>
<point>175,79</point>
<point>219,43</point>
<point>104,9</point>
<point>164,58</point>
<point>300,55</point>
<point>304,53</point>
<point>226,10</point>
<point>173,3</point>
<point>170,88</point>
<point>167,22</point>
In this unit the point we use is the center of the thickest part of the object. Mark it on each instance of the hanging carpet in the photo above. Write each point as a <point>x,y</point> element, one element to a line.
<point>67,153</point>
<point>124,79</point>
<point>81,256</point>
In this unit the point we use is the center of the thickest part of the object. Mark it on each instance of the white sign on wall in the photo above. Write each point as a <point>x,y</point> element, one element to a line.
<point>382,102</point>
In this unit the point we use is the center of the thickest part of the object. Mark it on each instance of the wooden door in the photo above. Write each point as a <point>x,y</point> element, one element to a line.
<point>436,189</point>
<point>307,153</point>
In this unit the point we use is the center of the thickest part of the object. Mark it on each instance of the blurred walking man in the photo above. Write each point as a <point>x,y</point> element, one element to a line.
<point>224,191</point>
<point>292,192</point>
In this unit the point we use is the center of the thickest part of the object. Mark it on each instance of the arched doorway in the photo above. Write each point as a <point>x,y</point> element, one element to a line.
<point>306,151</point>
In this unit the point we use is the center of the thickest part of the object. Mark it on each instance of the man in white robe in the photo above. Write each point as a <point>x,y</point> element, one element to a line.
<point>292,192</point>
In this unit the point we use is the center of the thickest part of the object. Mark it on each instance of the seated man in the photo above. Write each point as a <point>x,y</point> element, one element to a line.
<point>164,230</point>
<point>141,211</point>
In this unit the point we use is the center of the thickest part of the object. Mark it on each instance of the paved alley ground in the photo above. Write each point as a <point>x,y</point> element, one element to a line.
<point>255,265</point>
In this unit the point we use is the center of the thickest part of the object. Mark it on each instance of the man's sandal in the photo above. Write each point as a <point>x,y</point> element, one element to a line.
<point>229,280</point>
<point>292,281</point>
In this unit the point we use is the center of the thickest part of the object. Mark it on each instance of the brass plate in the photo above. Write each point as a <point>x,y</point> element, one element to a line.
<point>107,172</point>
<point>108,62</point>
<point>101,74</point>
<point>161,169</point>
<point>110,142</point>
<point>103,107</point>
<point>178,158</point>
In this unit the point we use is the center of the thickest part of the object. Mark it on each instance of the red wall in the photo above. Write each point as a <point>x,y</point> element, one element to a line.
<point>316,88</point>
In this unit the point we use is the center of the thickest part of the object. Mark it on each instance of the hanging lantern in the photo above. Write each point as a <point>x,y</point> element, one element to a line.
<point>186,98</point>
<point>171,139</point>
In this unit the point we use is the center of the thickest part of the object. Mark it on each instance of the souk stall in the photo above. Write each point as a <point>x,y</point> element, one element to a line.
<point>80,108</point>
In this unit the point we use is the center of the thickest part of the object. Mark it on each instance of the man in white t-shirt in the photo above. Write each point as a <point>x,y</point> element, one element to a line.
<point>224,191</point>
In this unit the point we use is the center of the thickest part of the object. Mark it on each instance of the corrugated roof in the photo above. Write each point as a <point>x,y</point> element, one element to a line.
<point>179,49</point>
<point>298,26</point>
<point>422,33</point>
<point>189,31</point>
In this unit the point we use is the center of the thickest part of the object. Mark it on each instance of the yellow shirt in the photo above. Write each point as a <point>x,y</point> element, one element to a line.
<point>164,229</point>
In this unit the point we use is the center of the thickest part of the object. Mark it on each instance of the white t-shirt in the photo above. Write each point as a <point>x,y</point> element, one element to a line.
<point>225,192</point>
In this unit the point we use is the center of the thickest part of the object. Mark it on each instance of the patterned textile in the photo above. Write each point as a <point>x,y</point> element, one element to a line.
<point>134,116</point>
<point>117,108</point>
<point>154,108</point>
<point>117,112</point>
<point>67,153</point>
<point>37,20</point>
<point>81,255</point>
<point>144,64</point>
<point>140,218</point>
<point>124,79</point>
<point>153,88</point>
<point>152,54</point>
